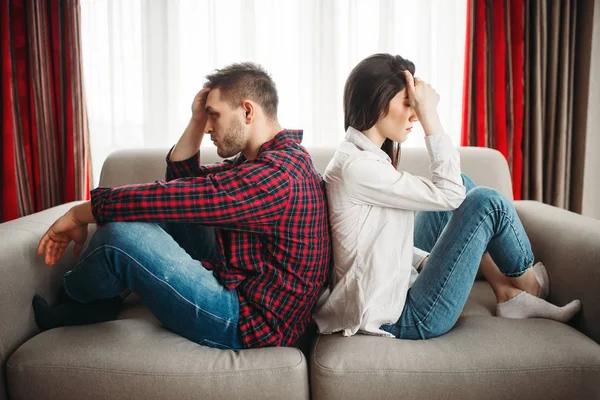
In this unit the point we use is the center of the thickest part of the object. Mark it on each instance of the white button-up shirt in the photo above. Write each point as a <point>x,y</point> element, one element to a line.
<point>371,211</point>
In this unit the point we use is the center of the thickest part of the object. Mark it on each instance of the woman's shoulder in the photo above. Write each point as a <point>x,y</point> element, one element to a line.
<point>350,162</point>
<point>348,152</point>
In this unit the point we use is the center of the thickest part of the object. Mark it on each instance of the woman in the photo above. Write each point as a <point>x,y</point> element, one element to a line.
<point>383,281</point>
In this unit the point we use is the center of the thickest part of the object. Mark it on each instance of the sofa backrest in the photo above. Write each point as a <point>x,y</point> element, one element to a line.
<point>487,167</point>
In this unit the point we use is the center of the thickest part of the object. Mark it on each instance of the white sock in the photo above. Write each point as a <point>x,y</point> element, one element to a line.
<point>525,305</point>
<point>542,277</point>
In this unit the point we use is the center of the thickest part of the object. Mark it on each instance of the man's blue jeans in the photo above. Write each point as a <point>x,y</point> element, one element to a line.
<point>159,262</point>
<point>485,221</point>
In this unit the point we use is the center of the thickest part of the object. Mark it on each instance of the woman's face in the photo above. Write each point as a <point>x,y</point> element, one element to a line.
<point>398,122</point>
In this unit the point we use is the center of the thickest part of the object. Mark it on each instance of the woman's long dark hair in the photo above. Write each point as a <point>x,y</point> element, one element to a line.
<point>370,87</point>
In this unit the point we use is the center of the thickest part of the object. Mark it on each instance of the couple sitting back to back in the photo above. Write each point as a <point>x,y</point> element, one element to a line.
<point>236,255</point>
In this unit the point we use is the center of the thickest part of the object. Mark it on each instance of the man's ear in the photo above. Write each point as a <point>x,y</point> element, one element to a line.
<point>249,109</point>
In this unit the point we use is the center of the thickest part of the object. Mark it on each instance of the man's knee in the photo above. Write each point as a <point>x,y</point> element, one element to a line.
<point>123,233</point>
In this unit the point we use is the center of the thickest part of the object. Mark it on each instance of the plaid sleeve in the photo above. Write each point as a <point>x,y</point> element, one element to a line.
<point>252,194</point>
<point>191,167</point>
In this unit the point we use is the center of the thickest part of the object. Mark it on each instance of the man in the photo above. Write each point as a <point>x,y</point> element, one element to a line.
<point>253,280</point>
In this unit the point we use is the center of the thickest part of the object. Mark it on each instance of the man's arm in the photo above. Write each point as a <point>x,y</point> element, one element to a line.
<point>252,195</point>
<point>192,167</point>
<point>82,213</point>
<point>184,159</point>
<point>189,142</point>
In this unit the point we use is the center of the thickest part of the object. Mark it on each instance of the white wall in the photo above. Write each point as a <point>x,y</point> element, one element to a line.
<point>591,173</point>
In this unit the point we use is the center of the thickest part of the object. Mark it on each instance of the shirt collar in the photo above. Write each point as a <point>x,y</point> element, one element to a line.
<point>285,136</point>
<point>359,139</point>
<point>282,138</point>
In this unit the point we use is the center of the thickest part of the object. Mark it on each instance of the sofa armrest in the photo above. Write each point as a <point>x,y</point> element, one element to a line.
<point>569,245</point>
<point>24,274</point>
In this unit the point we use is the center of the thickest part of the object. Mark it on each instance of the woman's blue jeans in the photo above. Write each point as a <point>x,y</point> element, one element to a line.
<point>456,240</point>
<point>159,262</point>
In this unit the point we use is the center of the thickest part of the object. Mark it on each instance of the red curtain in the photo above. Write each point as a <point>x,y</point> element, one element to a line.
<point>494,83</point>
<point>45,142</point>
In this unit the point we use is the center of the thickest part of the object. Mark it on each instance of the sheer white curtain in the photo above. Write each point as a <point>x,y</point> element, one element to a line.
<point>144,60</point>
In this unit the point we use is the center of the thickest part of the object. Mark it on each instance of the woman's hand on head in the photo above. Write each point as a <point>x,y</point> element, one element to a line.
<point>424,99</point>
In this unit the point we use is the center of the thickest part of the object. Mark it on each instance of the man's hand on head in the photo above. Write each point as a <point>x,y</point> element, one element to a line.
<point>199,105</point>
<point>190,141</point>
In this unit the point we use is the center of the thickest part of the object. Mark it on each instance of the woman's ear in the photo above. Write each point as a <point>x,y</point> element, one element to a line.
<point>249,110</point>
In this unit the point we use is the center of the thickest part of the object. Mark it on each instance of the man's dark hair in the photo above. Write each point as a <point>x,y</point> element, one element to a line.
<point>370,87</point>
<point>246,81</point>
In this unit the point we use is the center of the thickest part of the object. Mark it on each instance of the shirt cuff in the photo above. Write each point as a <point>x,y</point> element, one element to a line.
<point>418,256</point>
<point>183,168</point>
<point>99,197</point>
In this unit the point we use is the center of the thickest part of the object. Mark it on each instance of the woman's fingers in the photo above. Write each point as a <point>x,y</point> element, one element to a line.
<point>410,82</point>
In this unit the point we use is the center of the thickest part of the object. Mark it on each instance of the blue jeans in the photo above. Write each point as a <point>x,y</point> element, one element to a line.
<point>159,262</point>
<point>456,240</point>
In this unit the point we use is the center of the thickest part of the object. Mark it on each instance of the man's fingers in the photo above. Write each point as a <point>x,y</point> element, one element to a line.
<point>42,244</point>
<point>59,253</point>
<point>54,254</point>
<point>51,250</point>
<point>48,255</point>
<point>203,94</point>
<point>59,250</point>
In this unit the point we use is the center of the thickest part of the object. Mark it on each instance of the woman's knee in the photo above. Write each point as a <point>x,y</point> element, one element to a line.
<point>482,196</point>
<point>436,329</point>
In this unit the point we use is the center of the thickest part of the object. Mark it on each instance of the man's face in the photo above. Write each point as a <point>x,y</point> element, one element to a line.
<point>225,124</point>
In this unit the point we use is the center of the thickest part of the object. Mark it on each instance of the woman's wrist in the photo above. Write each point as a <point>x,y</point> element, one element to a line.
<point>422,264</point>
<point>430,121</point>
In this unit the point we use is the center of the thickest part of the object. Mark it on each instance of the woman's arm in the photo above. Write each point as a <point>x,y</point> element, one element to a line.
<point>370,180</point>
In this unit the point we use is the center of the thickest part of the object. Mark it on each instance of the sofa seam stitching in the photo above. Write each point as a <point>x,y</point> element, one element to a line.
<point>266,371</point>
<point>489,372</point>
<point>150,374</point>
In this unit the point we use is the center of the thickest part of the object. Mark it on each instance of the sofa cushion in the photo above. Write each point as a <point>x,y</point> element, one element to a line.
<point>483,357</point>
<point>135,357</point>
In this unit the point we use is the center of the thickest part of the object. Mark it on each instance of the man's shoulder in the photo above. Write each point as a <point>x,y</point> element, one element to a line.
<point>289,157</point>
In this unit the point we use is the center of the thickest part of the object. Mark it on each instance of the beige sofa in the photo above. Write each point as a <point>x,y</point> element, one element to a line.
<point>484,357</point>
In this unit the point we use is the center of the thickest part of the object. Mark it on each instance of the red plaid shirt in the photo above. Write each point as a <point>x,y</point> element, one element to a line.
<point>270,215</point>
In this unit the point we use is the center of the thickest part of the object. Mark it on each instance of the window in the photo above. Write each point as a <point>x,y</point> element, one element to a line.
<point>145,60</point>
